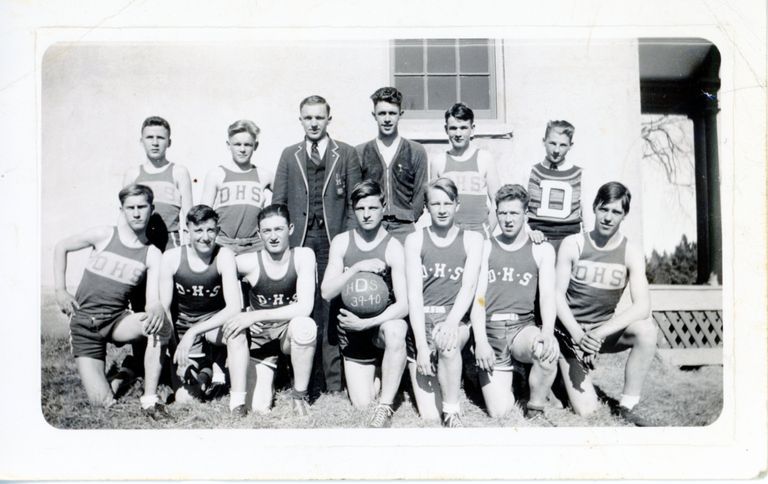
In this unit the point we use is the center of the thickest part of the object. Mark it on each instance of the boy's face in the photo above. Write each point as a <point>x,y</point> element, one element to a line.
<point>459,132</point>
<point>274,231</point>
<point>242,145</point>
<point>314,119</point>
<point>203,236</point>
<point>511,215</point>
<point>441,208</point>
<point>155,140</point>
<point>137,210</point>
<point>608,218</point>
<point>369,212</point>
<point>387,116</point>
<point>557,146</point>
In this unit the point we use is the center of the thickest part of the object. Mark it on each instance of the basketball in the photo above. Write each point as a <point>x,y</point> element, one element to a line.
<point>366,294</point>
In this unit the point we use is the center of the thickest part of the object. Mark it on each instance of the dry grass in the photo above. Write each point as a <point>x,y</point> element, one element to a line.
<point>672,398</point>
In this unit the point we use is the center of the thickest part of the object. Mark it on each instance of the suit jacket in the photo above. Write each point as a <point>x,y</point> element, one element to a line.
<point>342,173</point>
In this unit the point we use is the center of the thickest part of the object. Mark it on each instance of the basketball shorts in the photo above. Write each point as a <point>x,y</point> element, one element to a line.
<point>89,335</point>
<point>479,227</point>
<point>360,346</point>
<point>569,349</point>
<point>184,322</point>
<point>502,329</point>
<point>265,346</point>
<point>399,229</point>
<point>433,315</point>
<point>242,245</point>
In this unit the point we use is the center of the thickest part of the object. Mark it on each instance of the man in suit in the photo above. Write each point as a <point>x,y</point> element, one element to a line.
<point>315,178</point>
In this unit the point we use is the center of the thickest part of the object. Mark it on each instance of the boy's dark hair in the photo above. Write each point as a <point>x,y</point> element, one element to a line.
<point>135,190</point>
<point>366,188</point>
<point>510,192</point>
<point>315,99</point>
<point>201,213</point>
<point>611,192</point>
<point>243,126</point>
<point>156,121</point>
<point>560,126</point>
<point>274,209</point>
<point>460,111</point>
<point>446,186</point>
<point>388,95</point>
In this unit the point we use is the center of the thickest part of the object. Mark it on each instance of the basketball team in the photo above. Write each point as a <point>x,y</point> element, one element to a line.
<point>337,286</point>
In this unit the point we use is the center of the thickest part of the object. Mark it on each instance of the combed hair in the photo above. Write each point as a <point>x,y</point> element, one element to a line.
<point>510,192</point>
<point>135,190</point>
<point>156,121</point>
<point>446,186</point>
<point>202,213</point>
<point>560,126</point>
<point>388,95</point>
<point>611,192</point>
<point>315,99</point>
<point>367,188</point>
<point>274,209</point>
<point>243,126</point>
<point>460,111</point>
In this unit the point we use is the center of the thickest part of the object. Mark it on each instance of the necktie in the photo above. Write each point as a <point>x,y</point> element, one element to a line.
<point>314,154</point>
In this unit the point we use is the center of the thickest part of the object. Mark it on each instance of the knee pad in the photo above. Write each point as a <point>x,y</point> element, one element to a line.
<point>303,331</point>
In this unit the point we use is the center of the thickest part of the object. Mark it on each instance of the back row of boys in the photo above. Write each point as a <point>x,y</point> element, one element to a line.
<point>329,170</point>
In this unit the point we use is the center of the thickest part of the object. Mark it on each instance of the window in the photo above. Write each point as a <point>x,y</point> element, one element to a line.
<point>433,74</point>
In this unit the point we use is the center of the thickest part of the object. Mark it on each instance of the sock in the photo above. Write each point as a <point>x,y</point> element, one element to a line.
<point>218,375</point>
<point>451,407</point>
<point>236,399</point>
<point>148,401</point>
<point>629,401</point>
<point>298,394</point>
<point>533,406</point>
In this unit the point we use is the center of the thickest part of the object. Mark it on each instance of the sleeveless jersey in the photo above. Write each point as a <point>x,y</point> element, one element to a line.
<point>442,269</point>
<point>238,202</point>
<point>597,282</point>
<point>167,196</point>
<point>473,189</point>
<point>355,254</point>
<point>110,277</point>
<point>555,201</point>
<point>196,293</point>
<point>268,293</point>
<point>513,278</point>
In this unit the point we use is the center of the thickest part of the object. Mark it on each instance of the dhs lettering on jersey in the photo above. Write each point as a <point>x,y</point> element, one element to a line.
<point>467,181</point>
<point>601,275</point>
<point>116,267</point>
<point>441,271</point>
<point>507,274</point>
<point>240,192</point>
<point>275,300</point>
<point>197,291</point>
<point>164,192</point>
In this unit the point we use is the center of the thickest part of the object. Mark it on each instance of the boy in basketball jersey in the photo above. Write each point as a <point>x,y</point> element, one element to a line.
<point>593,268</point>
<point>471,169</point>
<point>122,258</point>
<point>170,184</point>
<point>237,190</point>
<point>199,291</point>
<point>554,187</point>
<point>503,320</point>
<point>370,248</point>
<point>281,298</point>
<point>442,265</point>
<point>399,165</point>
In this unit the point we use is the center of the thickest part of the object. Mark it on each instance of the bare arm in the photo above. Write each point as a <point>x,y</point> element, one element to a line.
<point>468,278</point>
<point>168,267</point>
<point>566,257</point>
<point>154,314</point>
<point>493,182</point>
<point>544,255</point>
<point>484,355</point>
<point>184,184</point>
<point>130,175</point>
<point>211,186</point>
<point>415,286</point>
<point>336,278</point>
<point>95,238</point>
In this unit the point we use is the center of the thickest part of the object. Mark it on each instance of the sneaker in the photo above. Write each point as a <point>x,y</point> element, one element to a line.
<point>631,416</point>
<point>121,381</point>
<point>381,417</point>
<point>452,420</point>
<point>216,391</point>
<point>300,407</point>
<point>537,416</point>
<point>157,412</point>
<point>239,411</point>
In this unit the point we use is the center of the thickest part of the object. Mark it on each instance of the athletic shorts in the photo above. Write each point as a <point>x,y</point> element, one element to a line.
<point>182,325</point>
<point>399,229</point>
<point>89,335</point>
<point>360,346</point>
<point>433,315</point>
<point>480,227</point>
<point>241,245</point>
<point>569,350</point>
<point>265,346</point>
<point>502,329</point>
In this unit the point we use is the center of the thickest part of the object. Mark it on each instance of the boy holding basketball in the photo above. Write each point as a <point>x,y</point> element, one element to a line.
<point>369,248</point>
<point>442,266</point>
<point>282,294</point>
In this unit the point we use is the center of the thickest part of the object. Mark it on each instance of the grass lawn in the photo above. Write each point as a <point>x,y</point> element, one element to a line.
<point>672,397</point>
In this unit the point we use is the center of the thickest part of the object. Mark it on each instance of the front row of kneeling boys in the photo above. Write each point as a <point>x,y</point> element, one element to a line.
<point>444,285</point>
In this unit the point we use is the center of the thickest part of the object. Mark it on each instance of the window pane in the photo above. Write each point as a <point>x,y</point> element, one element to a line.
<point>441,56</point>
<point>412,88</point>
<point>409,56</point>
<point>475,91</point>
<point>442,92</point>
<point>473,55</point>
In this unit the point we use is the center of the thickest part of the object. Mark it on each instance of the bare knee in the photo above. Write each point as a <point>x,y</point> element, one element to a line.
<point>394,333</point>
<point>303,331</point>
<point>238,343</point>
<point>645,333</point>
